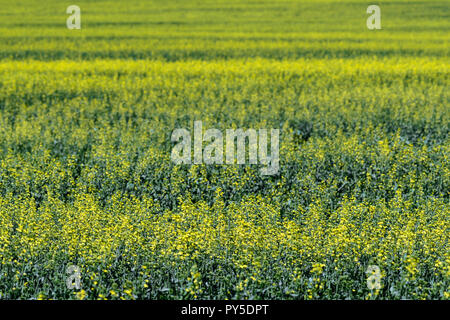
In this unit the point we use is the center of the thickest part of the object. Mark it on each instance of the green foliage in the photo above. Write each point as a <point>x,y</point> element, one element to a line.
<point>86,177</point>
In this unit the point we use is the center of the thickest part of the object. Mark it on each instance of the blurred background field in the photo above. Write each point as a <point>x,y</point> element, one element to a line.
<point>208,30</point>
<point>86,178</point>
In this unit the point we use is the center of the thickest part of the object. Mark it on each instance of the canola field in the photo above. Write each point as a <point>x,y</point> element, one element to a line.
<point>86,178</point>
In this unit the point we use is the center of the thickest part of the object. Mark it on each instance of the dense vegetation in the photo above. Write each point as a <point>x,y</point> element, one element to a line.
<point>86,178</point>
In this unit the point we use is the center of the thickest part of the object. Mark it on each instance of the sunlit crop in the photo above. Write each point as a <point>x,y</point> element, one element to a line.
<point>86,177</point>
